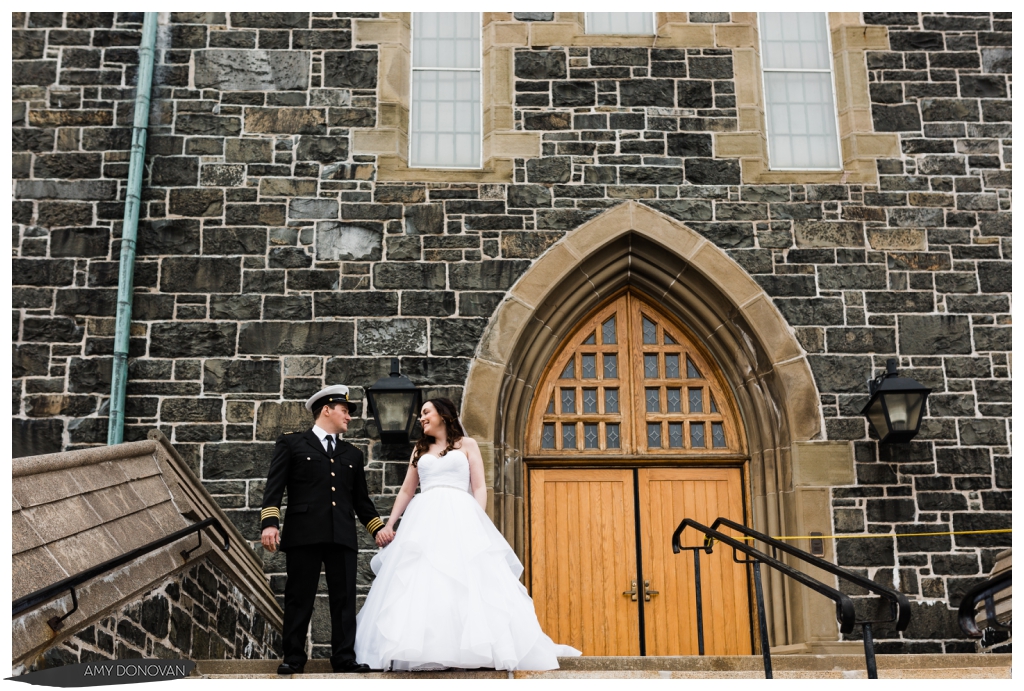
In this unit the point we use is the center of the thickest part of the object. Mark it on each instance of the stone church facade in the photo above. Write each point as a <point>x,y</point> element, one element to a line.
<point>287,243</point>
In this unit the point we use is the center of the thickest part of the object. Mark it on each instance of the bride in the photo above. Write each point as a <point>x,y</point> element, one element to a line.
<point>447,591</point>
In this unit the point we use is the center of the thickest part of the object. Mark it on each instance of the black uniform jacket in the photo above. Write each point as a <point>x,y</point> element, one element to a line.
<point>322,492</point>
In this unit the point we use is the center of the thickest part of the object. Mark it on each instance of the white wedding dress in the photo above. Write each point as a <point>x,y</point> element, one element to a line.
<point>447,592</point>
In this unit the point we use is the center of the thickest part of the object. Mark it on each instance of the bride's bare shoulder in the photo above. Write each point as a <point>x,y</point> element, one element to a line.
<point>467,443</point>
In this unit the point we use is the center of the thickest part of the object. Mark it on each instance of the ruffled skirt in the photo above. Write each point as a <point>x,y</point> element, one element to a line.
<point>447,594</point>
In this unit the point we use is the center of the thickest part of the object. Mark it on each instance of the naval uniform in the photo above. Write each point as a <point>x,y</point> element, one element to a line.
<point>323,493</point>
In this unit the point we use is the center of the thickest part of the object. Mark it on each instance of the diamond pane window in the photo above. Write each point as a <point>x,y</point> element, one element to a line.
<point>547,437</point>
<point>717,435</point>
<point>568,401</point>
<point>587,364</point>
<point>611,366</point>
<point>589,436</point>
<point>570,371</point>
<point>650,331</point>
<point>697,435</point>
<point>446,129</point>
<point>620,23</point>
<point>654,435</point>
<point>691,370</point>
<point>696,400</point>
<point>668,339</point>
<point>711,400</point>
<point>608,332</point>
<point>551,406</point>
<point>675,435</point>
<point>589,400</point>
<point>671,366</point>
<point>674,401</point>
<point>651,365</point>
<point>611,401</point>
<point>568,436</point>
<point>591,339</point>
<point>652,401</point>
<point>799,101</point>
<point>611,436</point>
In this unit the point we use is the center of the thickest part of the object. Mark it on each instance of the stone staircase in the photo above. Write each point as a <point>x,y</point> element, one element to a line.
<point>950,666</point>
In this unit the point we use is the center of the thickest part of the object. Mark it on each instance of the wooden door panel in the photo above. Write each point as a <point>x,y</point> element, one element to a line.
<point>582,557</point>
<point>667,495</point>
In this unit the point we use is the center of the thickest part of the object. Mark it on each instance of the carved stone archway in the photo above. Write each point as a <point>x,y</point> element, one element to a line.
<point>791,466</point>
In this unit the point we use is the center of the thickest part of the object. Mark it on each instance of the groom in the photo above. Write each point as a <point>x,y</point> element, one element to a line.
<point>325,482</point>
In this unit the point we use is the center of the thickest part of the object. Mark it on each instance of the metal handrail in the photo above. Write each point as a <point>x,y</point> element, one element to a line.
<point>70,583</point>
<point>983,592</point>
<point>845,612</point>
<point>899,605</point>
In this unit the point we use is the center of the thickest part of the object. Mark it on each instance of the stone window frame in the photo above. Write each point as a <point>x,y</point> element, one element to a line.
<point>389,139</point>
<point>860,145</point>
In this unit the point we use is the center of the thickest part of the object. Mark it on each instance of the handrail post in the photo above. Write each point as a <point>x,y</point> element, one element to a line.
<point>766,652</point>
<point>869,650</point>
<point>700,604</point>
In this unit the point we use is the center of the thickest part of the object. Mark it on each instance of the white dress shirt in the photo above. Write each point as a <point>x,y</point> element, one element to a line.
<point>322,436</point>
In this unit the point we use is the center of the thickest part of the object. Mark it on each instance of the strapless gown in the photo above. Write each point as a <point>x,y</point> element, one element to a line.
<point>447,590</point>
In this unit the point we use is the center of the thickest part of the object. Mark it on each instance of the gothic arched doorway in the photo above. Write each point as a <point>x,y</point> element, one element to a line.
<point>633,428</point>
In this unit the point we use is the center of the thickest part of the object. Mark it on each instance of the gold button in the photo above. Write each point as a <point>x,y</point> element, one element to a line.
<point>332,474</point>
<point>307,458</point>
<point>332,460</point>
<point>332,489</point>
<point>349,465</point>
<point>333,504</point>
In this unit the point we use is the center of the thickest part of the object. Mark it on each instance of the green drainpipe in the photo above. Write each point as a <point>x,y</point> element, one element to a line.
<point>126,271</point>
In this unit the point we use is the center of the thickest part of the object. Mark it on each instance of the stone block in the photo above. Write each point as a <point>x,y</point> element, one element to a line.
<point>392,337</point>
<point>251,70</point>
<point>539,64</point>
<point>207,125</point>
<point>840,373</point>
<point>353,69</point>
<point>270,20</point>
<point>287,187</point>
<point>230,461</point>
<point>80,242</point>
<point>67,189</point>
<point>238,376</point>
<point>409,275</point>
<point>815,233</point>
<point>348,241</point>
<point>35,437</point>
<point>424,219</point>
<point>934,334</point>
<point>323,149</point>
<point>647,92</point>
<point>195,202</point>
<point>486,275</point>
<point>192,339</point>
<point>249,150</point>
<point>286,120</point>
<point>299,338</point>
<point>200,275</point>
<point>220,175</point>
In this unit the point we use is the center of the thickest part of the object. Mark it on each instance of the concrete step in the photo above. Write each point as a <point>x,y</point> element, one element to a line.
<point>953,666</point>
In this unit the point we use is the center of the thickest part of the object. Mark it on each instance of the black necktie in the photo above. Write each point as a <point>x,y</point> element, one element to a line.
<point>330,445</point>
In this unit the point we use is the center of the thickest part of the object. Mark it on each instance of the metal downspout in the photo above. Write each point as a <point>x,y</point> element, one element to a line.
<point>126,270</point>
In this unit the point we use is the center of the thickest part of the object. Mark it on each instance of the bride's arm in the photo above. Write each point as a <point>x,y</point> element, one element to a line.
<point>476,471</point>
<point>405,495</point>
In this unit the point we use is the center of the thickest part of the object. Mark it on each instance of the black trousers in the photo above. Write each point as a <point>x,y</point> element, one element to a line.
<point>303,567</point>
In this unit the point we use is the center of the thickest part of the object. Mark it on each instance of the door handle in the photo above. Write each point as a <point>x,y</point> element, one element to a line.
<point>648,592</point>
<point>631,593</point>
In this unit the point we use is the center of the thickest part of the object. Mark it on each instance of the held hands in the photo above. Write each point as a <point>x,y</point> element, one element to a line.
<point>384,537</point>
<point>270,538</point>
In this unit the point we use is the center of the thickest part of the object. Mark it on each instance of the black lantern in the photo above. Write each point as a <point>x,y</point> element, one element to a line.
<point>395,405</point>
<point>896,406</point>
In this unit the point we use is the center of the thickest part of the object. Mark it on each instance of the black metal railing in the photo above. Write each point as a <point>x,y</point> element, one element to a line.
<point>69,584</point>
<point>983,592</point>
<point>845,611</point>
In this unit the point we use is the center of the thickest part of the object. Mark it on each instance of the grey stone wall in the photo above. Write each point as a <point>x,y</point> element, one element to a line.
<point>272,262</point>
<point>195,614</point>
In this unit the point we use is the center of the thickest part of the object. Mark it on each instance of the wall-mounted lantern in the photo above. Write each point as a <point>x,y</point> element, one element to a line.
<point>896,406</point>
<point>395,405</point>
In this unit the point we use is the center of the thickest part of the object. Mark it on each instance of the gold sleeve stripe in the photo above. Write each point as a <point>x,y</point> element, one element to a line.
<point>271,512</point>
<point>374,524</point>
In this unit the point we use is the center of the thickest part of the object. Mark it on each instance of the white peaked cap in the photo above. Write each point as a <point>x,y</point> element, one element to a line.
<point>332,394</point>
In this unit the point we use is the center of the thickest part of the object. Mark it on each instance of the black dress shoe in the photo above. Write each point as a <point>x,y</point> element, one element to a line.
<point>351,667</point>
<point>291,668</point>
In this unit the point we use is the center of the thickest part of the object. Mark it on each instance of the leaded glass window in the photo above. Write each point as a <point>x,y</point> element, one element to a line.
<point>548,436</point>
<point>651,365</point>
<point>611,400</point>
<point>611,433</point>
<point>568,401</point>
<point>587,364</point>
<point>717,435</point>
<point>589,400</point>
<point>674,401</point>
<point>671,366</point>
<point>650,331</point>
<point>568,436</point>
<point>654,435</point>
<point>652,401</point>
<point>608,332</point>
<point>611,366</point>
<point>590,436</point>
<point>697,435</point>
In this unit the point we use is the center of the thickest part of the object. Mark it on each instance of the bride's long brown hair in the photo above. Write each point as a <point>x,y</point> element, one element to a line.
<point>453,429</point>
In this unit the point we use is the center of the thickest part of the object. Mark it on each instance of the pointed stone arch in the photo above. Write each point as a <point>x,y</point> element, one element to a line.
<point>756,349</point>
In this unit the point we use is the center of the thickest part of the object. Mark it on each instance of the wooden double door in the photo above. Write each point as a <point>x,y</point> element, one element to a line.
<point>599,535</point>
